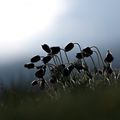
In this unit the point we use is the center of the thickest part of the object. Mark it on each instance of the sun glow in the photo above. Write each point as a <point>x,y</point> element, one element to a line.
<point>23,19</point>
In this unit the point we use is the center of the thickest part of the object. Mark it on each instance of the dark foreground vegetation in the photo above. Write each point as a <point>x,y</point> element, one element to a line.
<point>65,89</point>
<point>81,103</point>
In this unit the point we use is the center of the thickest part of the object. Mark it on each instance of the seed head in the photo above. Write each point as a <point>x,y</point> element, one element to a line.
<point>29,65</point>
<point>80,55</point>
<point>87,52</point>
<point>46,59</point>
<point>69,47</point>
<point>35,58</point>
<point>109,58</point>
<point>46,48</point>
<point>55,50</point>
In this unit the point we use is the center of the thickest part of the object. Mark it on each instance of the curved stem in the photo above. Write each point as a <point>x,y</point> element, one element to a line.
<point>93,62</point>
<point>99,54</point>
<point>54,60</point>
<point>97,58</point>
<point>66,56</point>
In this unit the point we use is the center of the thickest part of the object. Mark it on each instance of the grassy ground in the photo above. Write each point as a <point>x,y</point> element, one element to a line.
<point>81,103</point>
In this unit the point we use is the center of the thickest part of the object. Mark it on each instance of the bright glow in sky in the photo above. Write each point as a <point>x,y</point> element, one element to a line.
<point>22,19</point>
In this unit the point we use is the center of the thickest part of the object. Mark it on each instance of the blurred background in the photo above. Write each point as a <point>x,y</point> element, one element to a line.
<point>27,24</point>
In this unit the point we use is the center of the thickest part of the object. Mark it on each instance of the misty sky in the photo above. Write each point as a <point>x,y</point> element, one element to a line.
<point>85,21</point>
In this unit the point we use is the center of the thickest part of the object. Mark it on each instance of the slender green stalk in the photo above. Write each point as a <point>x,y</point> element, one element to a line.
<point>97,58</point>
<point>99,54</point>
<point>54,61</point>
<point>58,59</point>
<point>61,57</point>
<point>93,63</point>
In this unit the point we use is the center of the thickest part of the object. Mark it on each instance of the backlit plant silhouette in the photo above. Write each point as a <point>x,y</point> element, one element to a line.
<point>53,70</point>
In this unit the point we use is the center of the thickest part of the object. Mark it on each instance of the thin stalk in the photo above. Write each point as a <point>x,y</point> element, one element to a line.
<point>66,56</point>
<point>61,57</point>
<point>99,54</point>
<point>58,59</point>
<point>93,62</point>
<point>97,58</point>
<point>54,61</point>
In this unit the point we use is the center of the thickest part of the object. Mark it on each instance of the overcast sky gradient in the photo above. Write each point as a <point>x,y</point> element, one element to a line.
<point>89,22</point>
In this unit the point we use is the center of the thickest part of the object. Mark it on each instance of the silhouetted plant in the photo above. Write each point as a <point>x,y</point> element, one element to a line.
<point>69,74</point>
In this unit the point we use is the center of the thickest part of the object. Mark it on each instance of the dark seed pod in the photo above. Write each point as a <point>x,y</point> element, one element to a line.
<point>35,82</point>
<point>46,48</point>
<point>40,73</point>
<point>35,58</point>
<point>69,47</point>
<point>109,58</point>
<point>66,72</point>
<point>80,55</point>
<point>46,59</point>
<point>87,52</point>
<point>29,65</point>
<point>55,50</point>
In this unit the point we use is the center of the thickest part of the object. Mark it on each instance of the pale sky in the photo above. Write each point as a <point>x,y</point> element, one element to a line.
<point>26,24</point>
<point>22,20</point>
